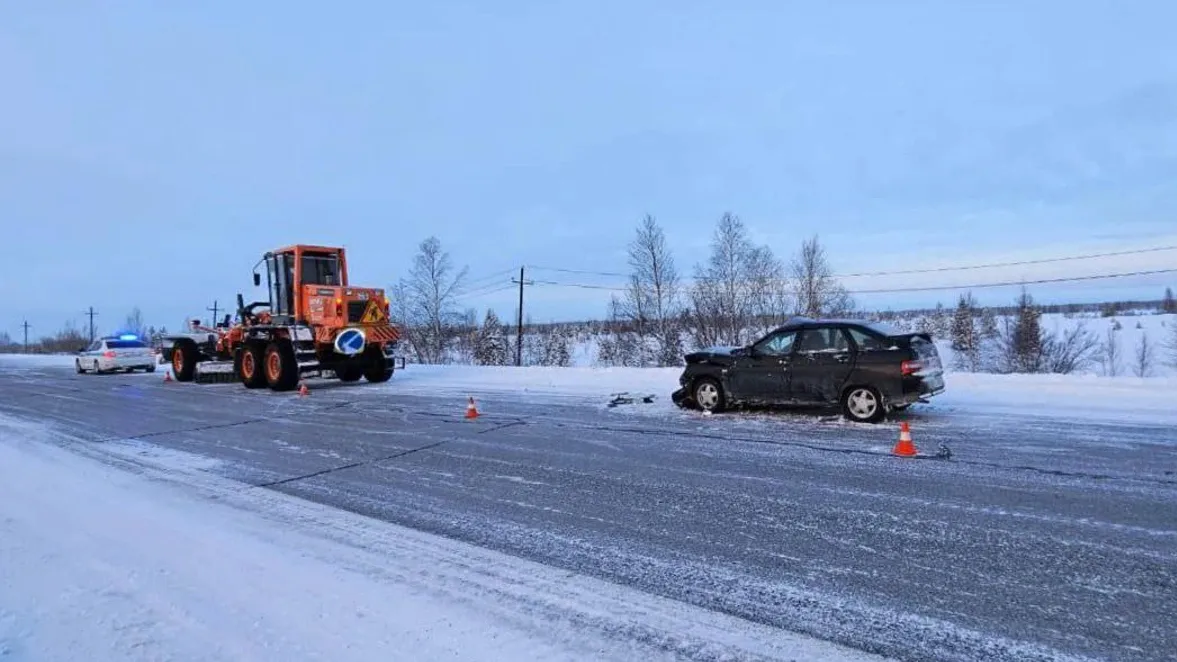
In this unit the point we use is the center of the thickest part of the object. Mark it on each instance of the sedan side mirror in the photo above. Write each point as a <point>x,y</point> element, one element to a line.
<point>257,279</point>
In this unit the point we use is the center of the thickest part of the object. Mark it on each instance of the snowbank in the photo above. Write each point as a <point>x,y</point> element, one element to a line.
<point>1124,399</point>
<point>171,563</point>
<point>1155,329</point>
<point>1121,399</point>
<point>1130,400</point>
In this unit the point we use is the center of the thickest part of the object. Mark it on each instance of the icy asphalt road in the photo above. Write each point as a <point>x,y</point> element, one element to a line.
<point>1040,539</point>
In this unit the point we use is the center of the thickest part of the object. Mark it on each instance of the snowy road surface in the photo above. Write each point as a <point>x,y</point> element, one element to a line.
<point>1045,537</point>
<point>111,565</point>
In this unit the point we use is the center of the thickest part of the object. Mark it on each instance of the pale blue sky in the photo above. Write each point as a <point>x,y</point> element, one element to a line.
<point>151,151</point>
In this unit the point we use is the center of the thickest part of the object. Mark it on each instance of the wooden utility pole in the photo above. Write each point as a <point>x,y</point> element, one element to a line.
<point>26,326</point>
<point>519,330</point>
<point>91,313</point>
<point>214,310</point>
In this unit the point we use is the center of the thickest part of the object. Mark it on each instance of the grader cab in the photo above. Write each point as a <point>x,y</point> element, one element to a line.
<point>313,323</point>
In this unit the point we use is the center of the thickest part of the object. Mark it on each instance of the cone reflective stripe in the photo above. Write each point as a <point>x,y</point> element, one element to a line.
<point>471,410</point>
<point>905,447</point>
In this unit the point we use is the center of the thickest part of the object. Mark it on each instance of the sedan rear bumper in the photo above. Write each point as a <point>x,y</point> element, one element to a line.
<point>919,389</point>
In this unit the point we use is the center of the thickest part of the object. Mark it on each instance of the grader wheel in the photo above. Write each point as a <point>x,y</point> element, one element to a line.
<point>281,366</point>
<point>249,365</point>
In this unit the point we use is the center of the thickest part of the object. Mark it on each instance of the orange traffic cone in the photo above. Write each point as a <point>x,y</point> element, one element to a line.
<point>904,447</point>
<point>471,410</point>
<point>303,390</point>
<point>167,375</point>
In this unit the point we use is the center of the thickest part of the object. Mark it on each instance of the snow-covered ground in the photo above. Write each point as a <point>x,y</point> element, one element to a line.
<point>139,555</point>
<point>168,561</point>
<point>1127,332</point>
<point>1122,399</point>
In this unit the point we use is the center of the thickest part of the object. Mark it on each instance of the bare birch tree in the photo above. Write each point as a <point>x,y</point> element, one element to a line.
<point>652,301</point>
<point>1143,359</point>
<point>1110,354</point>
<point>736,289</point>
<point>430,294</point>
<point>1070,350</point>
<point>402,317</point>
<point>134,323</point>
<point>816,292</point>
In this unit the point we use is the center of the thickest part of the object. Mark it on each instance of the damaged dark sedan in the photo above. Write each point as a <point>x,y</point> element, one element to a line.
<point>866,369</point>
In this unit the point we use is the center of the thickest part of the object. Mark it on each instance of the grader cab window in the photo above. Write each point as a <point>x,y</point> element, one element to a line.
<point>320,269</point>
<point>280,269</point>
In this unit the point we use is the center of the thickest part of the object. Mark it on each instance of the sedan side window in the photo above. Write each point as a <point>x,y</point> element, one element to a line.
<point>777,345</point>
<point>829,339</point>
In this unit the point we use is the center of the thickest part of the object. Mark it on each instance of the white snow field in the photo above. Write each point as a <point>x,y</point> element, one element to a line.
<point>1107,399</point>
<point>1090,397</point>
<point>134,553</point>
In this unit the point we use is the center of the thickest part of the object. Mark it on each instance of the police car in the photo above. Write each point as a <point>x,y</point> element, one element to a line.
<point>124,352</point>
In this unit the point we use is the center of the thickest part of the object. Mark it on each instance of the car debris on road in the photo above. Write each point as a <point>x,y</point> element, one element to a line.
<point>627,398</point>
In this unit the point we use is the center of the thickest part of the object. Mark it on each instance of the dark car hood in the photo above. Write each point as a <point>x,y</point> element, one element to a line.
<point>719,353</point>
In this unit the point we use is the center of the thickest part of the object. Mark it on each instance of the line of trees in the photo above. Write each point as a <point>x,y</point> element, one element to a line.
<point>741,291</point>
<point>436,329</point>
<point>1021,344</point>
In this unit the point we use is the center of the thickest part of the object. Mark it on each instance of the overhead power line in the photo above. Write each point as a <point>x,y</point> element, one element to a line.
<point>968,267</point>
<point>485,290</point>
<point>971,286</point>
<point>580,285</point>
<point>581,272</point>
<point>475,283</point>
<point>1017,263</point>
<point>1038,281</point>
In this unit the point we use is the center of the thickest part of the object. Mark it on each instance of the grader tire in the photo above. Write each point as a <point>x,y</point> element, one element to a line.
<point>250,362</point>
<point>281,366</point>
<point>184,355</point>
<point>376,368</point>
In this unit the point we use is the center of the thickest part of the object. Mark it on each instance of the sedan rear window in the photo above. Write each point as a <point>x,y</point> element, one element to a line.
<point>125,344</point>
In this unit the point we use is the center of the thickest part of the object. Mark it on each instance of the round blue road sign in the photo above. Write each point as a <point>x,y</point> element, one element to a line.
<point>350,342</point>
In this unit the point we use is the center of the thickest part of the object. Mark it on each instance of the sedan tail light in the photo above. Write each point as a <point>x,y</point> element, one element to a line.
<point>911,367</point>
<point>108,354</point>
